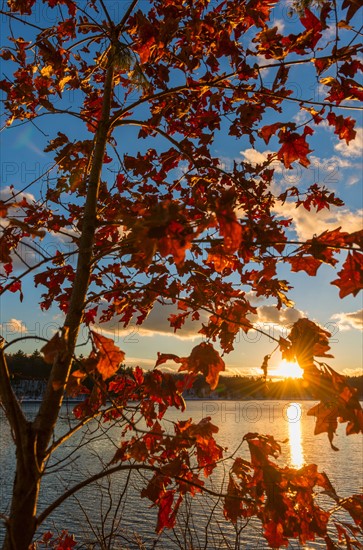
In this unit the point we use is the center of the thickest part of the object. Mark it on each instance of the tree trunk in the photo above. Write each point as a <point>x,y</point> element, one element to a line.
<point>32,439</point>
<point>22,522</point>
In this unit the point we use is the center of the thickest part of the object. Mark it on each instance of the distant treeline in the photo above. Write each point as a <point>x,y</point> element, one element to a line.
<point>33,367</point>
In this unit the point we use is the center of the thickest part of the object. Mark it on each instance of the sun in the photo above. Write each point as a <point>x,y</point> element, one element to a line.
<point>286,369</point>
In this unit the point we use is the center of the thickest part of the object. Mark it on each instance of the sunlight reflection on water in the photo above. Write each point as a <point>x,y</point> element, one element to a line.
<point>293,414</point>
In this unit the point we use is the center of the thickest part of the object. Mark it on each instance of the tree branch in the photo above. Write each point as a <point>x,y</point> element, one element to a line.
<point>9,401</point>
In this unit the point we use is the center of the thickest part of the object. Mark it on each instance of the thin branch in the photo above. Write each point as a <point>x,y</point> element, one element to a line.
<point>21,338</point>
<point>34,181</point>
<point>11,405</point>
<point>111,23</point>
<point>86,482</point>
<point>29,270</point>
<point>123,21</point>
<point>25,22</point>
<point>72,431</point>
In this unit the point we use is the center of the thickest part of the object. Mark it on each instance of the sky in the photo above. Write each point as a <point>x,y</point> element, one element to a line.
<point>333,164</point>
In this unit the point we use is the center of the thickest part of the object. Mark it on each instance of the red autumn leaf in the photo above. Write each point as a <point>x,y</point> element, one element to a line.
<point>304,263</point>
<point>176,241</point>
<point>203,431</point>
<point>66,542</point>
<point>231,231</point>
<point>221,261</point>
<point>294,147</point>
<point>311,22</point>
<point>267,131</point>
<point>306,340</point>
<point>90,315</point>
<point>109,355</point>
<point>344,126</point>
<point>14,287</point>
<point>166,514</point>
<point>274,534</point>
<point>323,63</point>
<point>326,420</point>
<point>8,268</point>
<point>354,505</point>
<point>164,357</point>
<point>5,256</point>
<point>350,279</point>
<point>352,6</point>
<point>107,159</point>
<point>355,238</point>
<point>22,6</point>
<point>205,359</point>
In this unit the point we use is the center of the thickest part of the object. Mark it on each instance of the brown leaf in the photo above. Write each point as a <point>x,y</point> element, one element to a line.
<point>56,345</point>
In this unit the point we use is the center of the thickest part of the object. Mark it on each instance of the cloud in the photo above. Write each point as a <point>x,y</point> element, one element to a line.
<point>352,372</point>
<point>8,192</point>
<point>155,324</point>
<point>355,147</point>
<point>307,224</point>
<point>13,326</point>
<point>271,315</point>
<point>143,362</point>
<point>352,180</point>
<point>257,157</point>
<point>349,321</point>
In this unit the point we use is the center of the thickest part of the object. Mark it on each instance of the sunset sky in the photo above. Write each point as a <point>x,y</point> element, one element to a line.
<point>333,164</point>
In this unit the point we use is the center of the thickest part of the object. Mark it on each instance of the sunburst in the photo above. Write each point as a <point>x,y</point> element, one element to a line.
<point>287,369</point>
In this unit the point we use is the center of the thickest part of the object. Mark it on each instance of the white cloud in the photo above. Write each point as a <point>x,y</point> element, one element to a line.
<point>7,193</point>
<point>13,326</point>
<point>282,317</point>
<point>140,362</point>
<point>352,180</point>
<point>301,116</point>
<point>155,324</point>
<point>327,166</point>
<point>354,148</point>
<point>307,224</point>
<point>352,372</point>
<point>349,321</point>
<point>280,24</point>
<point>256,157</point>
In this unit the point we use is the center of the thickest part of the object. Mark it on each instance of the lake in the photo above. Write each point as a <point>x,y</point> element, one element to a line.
<point>113,510</point>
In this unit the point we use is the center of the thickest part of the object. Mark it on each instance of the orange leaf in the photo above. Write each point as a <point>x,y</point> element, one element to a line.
<point>267,131</point>
<point>221,261</point>
<point>109,356</point>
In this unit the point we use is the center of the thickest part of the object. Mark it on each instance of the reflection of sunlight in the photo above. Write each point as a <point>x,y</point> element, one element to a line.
<point>293,416</point>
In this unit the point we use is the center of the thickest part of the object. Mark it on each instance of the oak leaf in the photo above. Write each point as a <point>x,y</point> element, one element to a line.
<point>294,147</point>
<point>109,355</point>
<point>350,279</point>
<point>205,359</point>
